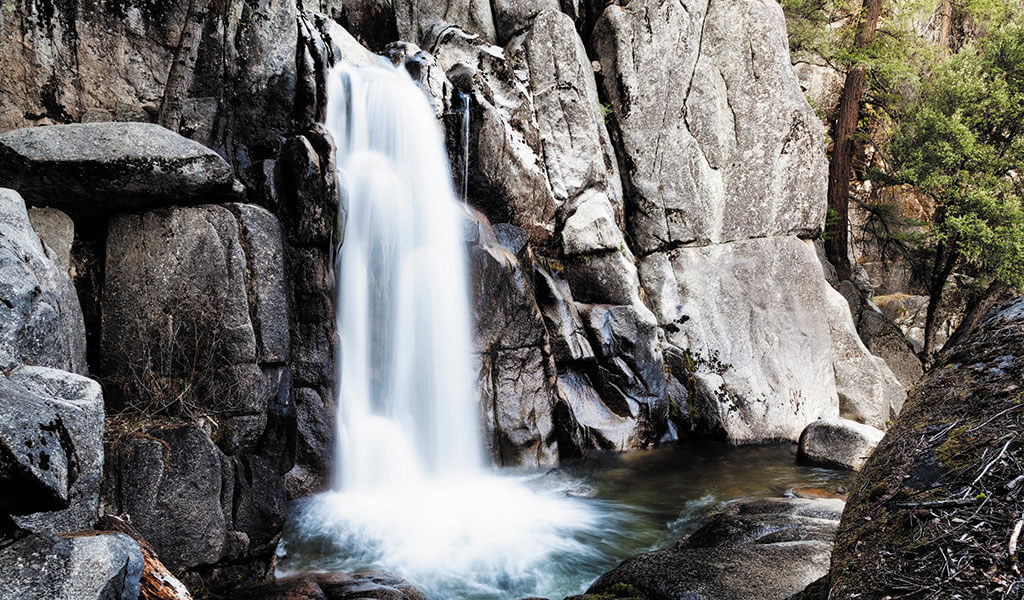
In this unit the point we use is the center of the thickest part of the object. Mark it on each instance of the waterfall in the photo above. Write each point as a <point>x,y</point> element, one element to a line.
<point>412,493</point>
<point>407,407</point>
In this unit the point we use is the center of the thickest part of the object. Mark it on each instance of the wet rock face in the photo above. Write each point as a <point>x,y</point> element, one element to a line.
<point>338,586</point>
<point>753,548</point>
<point>512,349</point>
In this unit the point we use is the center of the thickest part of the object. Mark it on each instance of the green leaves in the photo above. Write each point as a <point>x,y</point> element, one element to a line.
<point>962,141</point>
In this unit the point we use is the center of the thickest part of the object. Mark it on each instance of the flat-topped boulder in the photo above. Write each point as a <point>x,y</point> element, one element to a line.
<point>95,169</point>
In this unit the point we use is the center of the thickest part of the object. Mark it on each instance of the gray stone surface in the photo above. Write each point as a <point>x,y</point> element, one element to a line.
<point>750,316</point>
<point>263,241</point>
<point>197,296</point>
<point>91,567</point>
<point>838,443</point>
<point>96,169</point>
<point>512,17</point>
<point>415,17</point>
<point>591,227</point>
<point>868,390</point>
<point>57,231</point>
<point>170,484</point>
<point>42,324</point>
<point>577,152</point>
<point>884,339</point>
<point>823,86</point>
<point>722,142</point>
<point>750,549</point>
<point>175,278</point>
<point>36,456</point>
<point>516,372</point>
<point>78,403</point>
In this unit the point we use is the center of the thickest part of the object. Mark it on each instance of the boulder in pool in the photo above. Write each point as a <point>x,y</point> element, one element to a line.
<point>838,443</point>
<point>751,549</point>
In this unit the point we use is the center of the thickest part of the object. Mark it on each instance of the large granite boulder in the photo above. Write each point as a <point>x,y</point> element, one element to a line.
<point>97,169</point>
<point>722,143</point>
<point>755,548</point>
<point>748,316</point>
<point>90,566</point>
<point>838,443</point>
<point>42,321</point>
<point>170,483</point>
<point>195,303</point>
<point>943,487</point>
<point>36,456</point>
<point>77,404</point>
<point>868,390</point>
<point>207,515</point>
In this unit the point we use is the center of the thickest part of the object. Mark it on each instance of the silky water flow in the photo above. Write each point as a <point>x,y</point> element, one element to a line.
<point>412,494</point>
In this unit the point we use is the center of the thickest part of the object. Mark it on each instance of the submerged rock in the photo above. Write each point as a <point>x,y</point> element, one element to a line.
<point>97,169</point>
<point>336,586</point>
<point>838,443</point>
<point>751,549</point>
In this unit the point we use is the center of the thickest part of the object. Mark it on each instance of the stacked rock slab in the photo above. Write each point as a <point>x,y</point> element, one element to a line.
<point>195,345</point>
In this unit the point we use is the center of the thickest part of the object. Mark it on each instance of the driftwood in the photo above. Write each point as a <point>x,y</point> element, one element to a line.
<point>157,582</point>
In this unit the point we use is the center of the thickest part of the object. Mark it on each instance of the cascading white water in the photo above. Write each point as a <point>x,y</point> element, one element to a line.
<point>406,390</point>
<point>412,494</point>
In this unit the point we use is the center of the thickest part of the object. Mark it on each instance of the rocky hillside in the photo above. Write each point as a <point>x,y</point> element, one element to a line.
<point>646,179</point>
<point>938,505</point>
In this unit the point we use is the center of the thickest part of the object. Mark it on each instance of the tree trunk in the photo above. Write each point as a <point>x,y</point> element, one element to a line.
<point>945,24</point>
<point>994,295</point>
<point>840,170</point>
<point>179,78</point>
<point>945,261</point>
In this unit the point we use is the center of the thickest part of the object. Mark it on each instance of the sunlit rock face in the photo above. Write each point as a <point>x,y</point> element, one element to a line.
<point>721,142</point>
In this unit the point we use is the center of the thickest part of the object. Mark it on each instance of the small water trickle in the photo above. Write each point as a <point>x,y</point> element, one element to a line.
<point>464,102</point>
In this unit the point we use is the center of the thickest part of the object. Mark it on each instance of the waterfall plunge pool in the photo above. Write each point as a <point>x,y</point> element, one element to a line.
<point>550,533</point>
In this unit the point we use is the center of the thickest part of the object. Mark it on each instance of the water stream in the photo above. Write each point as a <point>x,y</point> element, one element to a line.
<point>412,494</point>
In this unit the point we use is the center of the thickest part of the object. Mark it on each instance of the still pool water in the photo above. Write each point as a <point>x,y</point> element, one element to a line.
<point>552,533</point>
